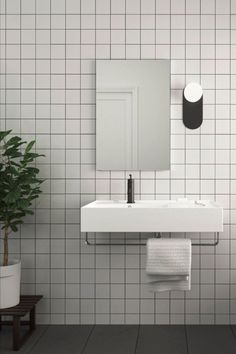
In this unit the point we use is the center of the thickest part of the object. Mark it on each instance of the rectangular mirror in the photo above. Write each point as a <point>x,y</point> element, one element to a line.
<point>132,115</point>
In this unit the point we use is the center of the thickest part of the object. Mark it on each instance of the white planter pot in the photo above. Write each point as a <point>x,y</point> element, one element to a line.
<point>10,284</point>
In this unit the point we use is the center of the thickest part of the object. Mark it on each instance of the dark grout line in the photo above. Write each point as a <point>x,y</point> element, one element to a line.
<point>37,341</point>
<point>87,340</point>
<point>137,339</point>
<point>186,338</point>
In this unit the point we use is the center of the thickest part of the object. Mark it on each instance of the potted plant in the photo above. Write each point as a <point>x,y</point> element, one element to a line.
<point>19,186</point>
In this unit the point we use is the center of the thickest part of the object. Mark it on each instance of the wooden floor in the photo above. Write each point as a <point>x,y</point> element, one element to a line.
<point>116,339</point>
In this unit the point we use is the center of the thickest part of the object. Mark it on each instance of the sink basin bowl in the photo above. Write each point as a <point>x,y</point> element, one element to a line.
<point>152,216</point>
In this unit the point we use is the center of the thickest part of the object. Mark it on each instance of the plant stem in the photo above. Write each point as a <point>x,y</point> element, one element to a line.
<point>5,257</point>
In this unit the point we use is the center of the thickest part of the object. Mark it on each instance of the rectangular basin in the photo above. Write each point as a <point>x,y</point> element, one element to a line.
<point>152,216</point>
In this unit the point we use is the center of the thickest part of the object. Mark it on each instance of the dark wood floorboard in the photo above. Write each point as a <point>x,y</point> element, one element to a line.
<point>62,340</point>
<point>6,339</point>
<point>113,339</point>
<point>161,340</point>
<point>210,340</point>
<point>233,329</point>
<point>121,339</point>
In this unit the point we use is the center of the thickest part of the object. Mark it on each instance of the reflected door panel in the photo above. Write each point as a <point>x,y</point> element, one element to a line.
<point>132,114</point>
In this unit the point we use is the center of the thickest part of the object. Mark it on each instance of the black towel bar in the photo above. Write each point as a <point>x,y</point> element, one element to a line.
<point>158,235</point>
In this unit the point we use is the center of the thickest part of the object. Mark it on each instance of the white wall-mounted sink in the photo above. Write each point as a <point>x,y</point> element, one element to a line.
<point>152,216</point>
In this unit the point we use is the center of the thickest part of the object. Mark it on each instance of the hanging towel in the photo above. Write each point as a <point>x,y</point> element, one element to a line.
<point>168,264</point>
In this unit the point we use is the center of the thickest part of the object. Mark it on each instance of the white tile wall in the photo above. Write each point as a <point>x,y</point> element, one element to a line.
<point>48,50</point>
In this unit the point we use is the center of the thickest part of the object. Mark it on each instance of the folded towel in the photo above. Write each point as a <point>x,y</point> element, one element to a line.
<point>168,264</point>
<point>156,284</point>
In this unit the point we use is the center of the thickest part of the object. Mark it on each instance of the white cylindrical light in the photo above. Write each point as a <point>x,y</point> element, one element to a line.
<point>193,92</point>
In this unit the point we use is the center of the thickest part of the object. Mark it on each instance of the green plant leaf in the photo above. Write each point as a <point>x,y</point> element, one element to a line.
<point>22,203</point>
<point>12,196</point>
<point>14,227</point>
<point>30,212</point>
<point>33,170</point>
<point>30,156</point>
<point>15,140</point>
<point>29,146</point>
<point>13,163</point>
<point>12,152</point>
<point>3,134</point>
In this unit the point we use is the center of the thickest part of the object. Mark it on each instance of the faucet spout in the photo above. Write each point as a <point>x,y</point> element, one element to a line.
<point>130,190</point>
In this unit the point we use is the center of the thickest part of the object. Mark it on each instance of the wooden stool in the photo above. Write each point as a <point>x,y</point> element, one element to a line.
<point>26,305</point>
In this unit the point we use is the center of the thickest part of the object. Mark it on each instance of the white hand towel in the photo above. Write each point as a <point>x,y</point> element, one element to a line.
<point>168,264</point>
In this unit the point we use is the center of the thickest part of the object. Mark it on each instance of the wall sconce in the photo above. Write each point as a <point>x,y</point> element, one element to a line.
<point>192,105</point>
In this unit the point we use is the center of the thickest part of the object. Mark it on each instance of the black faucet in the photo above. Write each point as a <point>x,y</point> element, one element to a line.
<point>130,190</point>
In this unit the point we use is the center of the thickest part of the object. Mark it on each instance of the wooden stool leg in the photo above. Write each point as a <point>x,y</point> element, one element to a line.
<point>32,319</point>
<point>16,332</point>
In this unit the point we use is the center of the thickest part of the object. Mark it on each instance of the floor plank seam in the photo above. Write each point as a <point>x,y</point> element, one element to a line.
<point>87,340</point>
<point>186,338</point>
<point>136,344</point>
<point>234,335</point>
<point>37,341</point>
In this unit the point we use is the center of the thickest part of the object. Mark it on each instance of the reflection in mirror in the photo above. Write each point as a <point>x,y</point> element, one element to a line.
<point>133,114</point>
